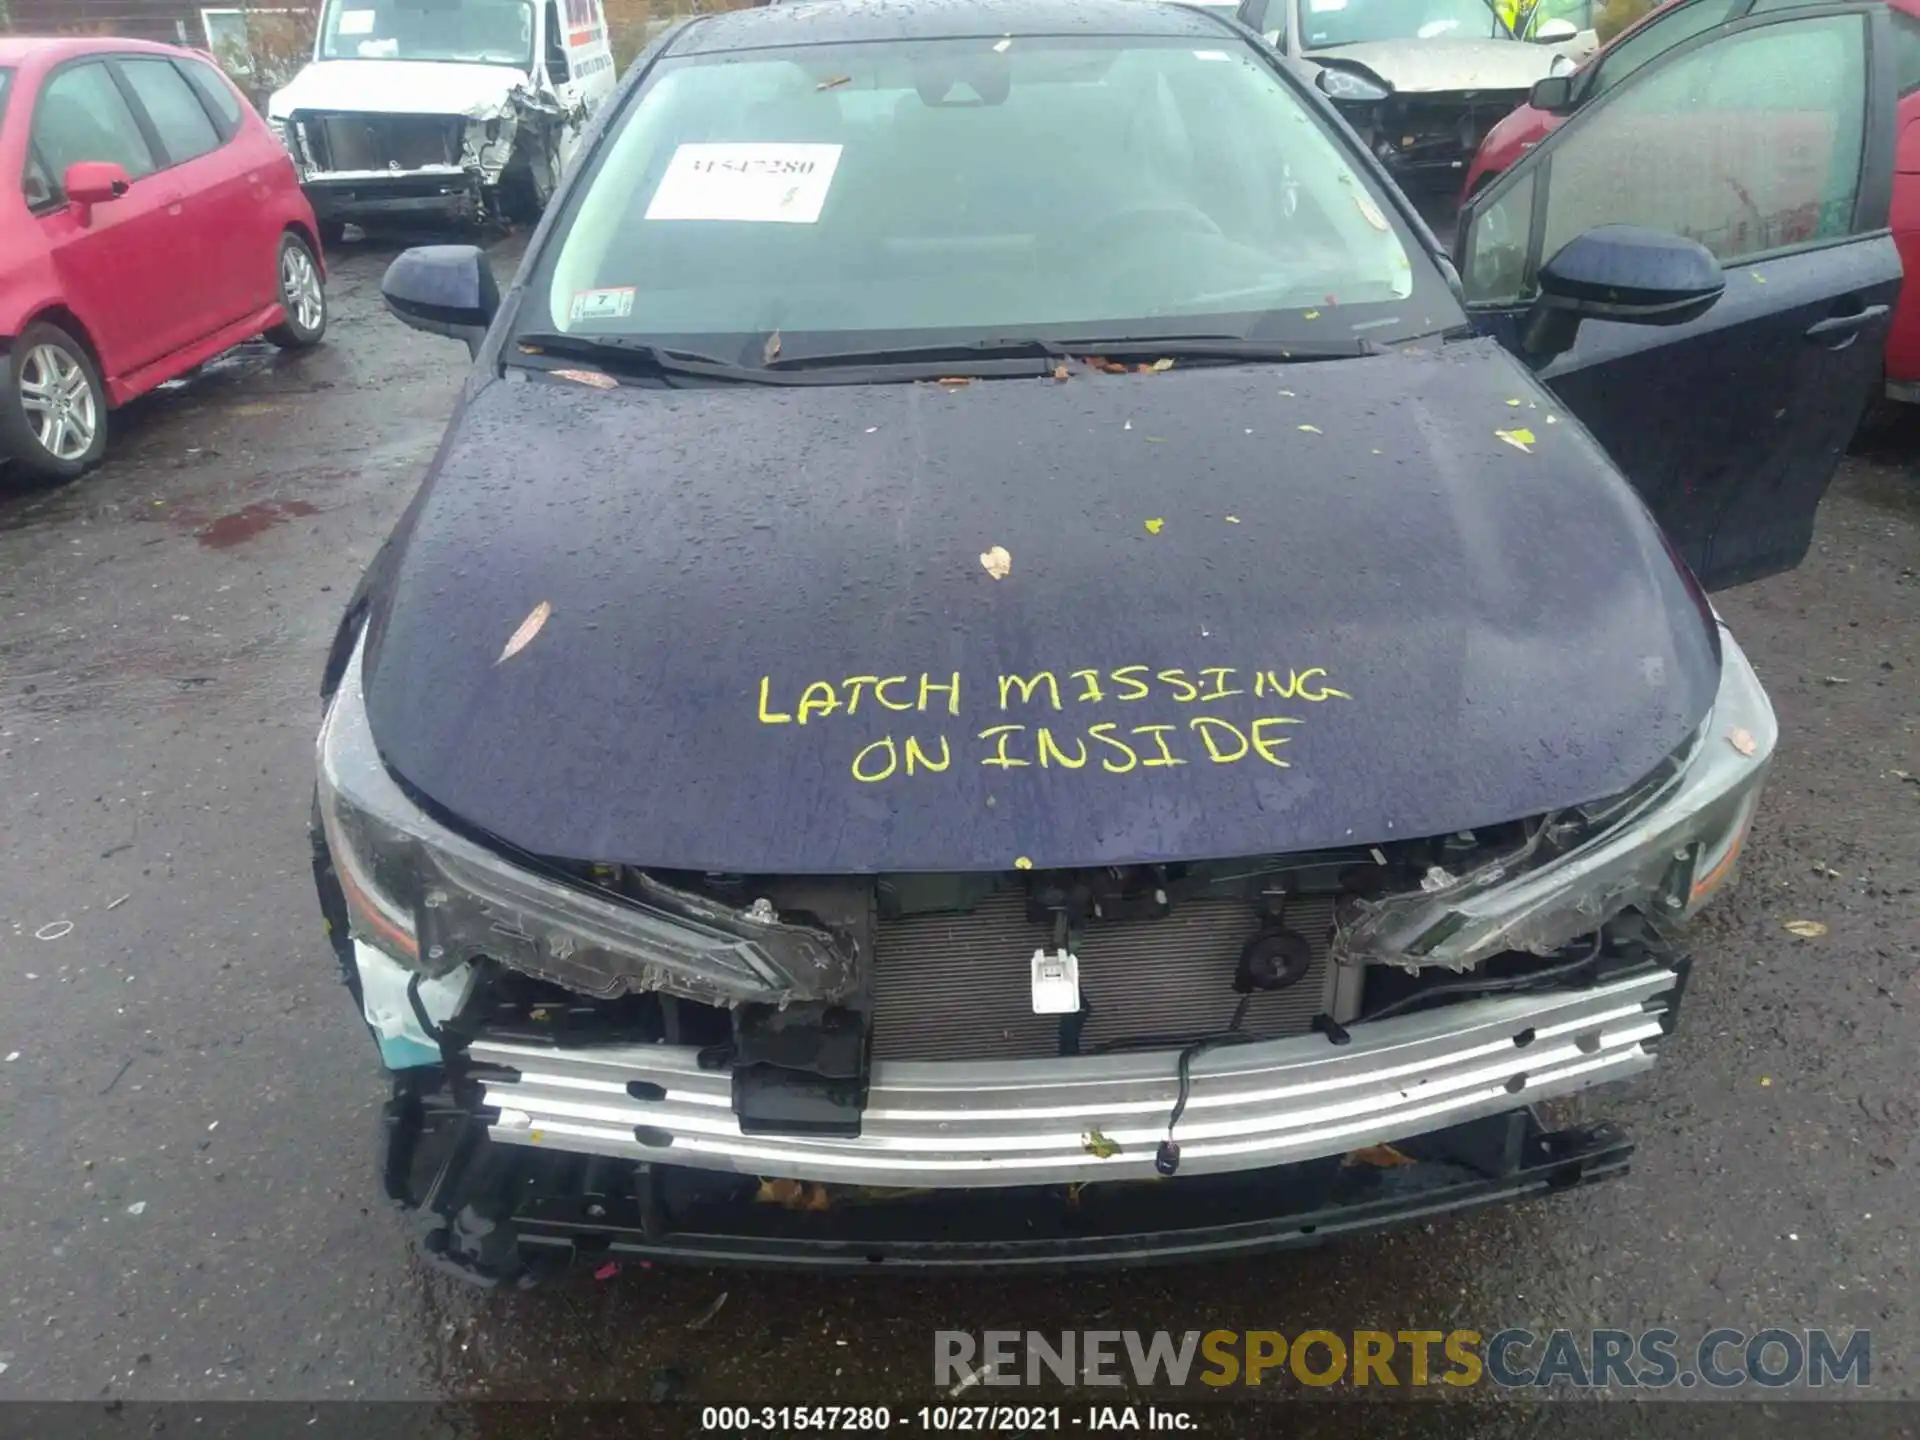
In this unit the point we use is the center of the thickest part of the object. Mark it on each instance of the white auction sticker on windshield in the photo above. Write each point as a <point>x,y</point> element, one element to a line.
<point>613,303</point>
<point>785,184</point>
<point>356,22</point>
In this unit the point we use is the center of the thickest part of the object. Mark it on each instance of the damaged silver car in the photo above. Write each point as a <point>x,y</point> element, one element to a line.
<point>442,110</point>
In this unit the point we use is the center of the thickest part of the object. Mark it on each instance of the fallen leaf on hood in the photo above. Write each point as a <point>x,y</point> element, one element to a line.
<point>1060,372</point>
<point>1380,1157</point>
<point>1289,394</point>
<point>1233,519</point>
<point>1311,429</point>
<point>1021,862</point>
<point>955,380</point>
<point>1311,315</point>
<point>997,562</point>
<point>1742,741</point>
<point>1758,278</point>
<point>588,377</point>
<point>834,84</point>
<point>1101,362</point>
<point>1553,419</point>
<point>1521,440</point>
<point>1005,45</point>
<point>1163,363</point>
<point>1766,1082</point>
<point>1099,1146</point>
<point>1806,929</point>
<point>1155,525</point>
<point>529,628</point>
<point>1514,403</point>
<point>771,349</point>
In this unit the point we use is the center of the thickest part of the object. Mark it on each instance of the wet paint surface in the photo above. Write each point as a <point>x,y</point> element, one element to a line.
<point>157,711</point>
<point>789,601</point>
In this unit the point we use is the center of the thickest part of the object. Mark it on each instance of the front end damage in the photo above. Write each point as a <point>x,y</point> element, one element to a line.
<point>497,162</point>
<point>1147,1063</point>
<point>1428,138</point>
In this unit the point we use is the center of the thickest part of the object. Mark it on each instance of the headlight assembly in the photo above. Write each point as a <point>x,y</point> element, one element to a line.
<point>1350,85</point>
<point>433,900</point>
<point>1664,846</point>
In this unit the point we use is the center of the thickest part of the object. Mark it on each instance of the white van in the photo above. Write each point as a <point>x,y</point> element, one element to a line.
<point>416,110</point>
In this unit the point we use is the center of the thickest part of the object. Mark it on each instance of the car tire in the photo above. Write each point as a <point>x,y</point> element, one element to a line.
<point>53,412</point>
<point>302,294</point>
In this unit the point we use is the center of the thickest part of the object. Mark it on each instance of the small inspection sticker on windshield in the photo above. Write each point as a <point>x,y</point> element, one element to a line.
<point>611,304</point>
<point>1211,55</point>
<point>356,22</point>
<point>779,184</point>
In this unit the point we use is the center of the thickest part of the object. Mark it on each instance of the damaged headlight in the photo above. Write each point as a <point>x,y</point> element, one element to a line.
<point>434,900</point>
<point>1664,846</point>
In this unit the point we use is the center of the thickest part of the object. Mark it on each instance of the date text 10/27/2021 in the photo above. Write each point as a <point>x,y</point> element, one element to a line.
<point>1113,746</point>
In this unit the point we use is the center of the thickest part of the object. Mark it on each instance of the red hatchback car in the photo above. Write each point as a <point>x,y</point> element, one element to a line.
<point>157,222</point>
<point>1675,23</point>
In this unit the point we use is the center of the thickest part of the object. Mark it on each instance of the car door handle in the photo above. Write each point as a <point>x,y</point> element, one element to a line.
<point>1836,326</point>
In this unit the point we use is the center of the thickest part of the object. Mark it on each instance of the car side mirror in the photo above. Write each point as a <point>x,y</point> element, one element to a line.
<point>443,290</point>
<point>94,182</point>
<point>1553,94</point>
<point>1555,32</point>
<point>1622,273</point>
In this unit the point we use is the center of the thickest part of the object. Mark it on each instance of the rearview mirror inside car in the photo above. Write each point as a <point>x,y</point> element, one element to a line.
<point>94,182</point>
<point>1622,273</point>
<point>1553,94</point>
<point>443,290</point>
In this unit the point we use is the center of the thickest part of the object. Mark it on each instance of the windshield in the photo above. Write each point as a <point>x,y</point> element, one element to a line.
<point>936,191</point>
<point>1327,23</point>
<point>491,32</point>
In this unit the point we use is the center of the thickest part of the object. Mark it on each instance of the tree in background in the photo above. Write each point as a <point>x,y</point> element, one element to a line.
<point>264,46</point>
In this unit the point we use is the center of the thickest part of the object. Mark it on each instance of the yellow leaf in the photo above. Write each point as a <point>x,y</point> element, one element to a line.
<point>997,562</point>
<point>1311,315</point>
<point>1154,526</point>
<point>1806,929</point>
<point>1766,1082</point>
<point>588,377</point>
<point>835,83</point>
<point>529,628</point>
<point>1233,519</point>
<point>1099,1146</point>
<point>1741,740</point>
<point>1023,863</point>
<point>1381,1157</point>
<point>771,349</point>
<point>1521,440</point>
<point>1514,403</point>
<point>1163,364</point>
<point>1288,393</point>
<point>1311,429</point>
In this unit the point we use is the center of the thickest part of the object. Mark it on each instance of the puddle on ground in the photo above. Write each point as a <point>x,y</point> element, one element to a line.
<point>250,521</point>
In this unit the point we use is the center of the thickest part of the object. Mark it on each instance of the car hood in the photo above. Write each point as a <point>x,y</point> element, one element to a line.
<point>1434,65</point>
<point>622,625</point>
<point>399,87</point>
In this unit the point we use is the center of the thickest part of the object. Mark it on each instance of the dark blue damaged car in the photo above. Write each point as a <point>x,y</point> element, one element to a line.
<point>1006,662</point>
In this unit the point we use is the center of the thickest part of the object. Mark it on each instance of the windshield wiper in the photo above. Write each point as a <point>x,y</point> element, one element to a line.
<point>631,357</point>
<point>1170,347</point>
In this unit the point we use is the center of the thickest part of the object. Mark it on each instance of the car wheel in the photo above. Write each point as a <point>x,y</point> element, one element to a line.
<point>302,296</point>
<point>53,414</point>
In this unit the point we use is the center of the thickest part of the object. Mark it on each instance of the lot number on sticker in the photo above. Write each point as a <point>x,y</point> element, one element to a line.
<point>783,184</point>
<point>612,304</point>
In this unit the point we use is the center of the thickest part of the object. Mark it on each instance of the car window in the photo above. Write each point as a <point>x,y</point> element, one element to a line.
<point>179,118</point>
<point>217,91</point>
<point>1112,185</point>
<point>489,32</point>
<point>83,116</point>
<point>1906,51</point>
<point>1748,144</point>
<point>1679,24</point>
<point>1327,24</point>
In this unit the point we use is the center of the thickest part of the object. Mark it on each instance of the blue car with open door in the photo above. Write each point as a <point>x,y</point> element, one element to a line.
<point>1006,662</point>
